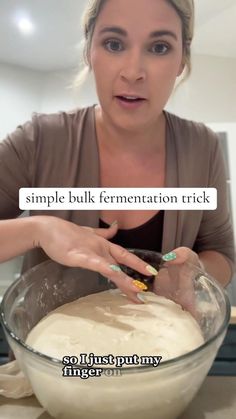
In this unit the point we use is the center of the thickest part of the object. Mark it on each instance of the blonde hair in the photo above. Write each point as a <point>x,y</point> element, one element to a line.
<point>184,8</point>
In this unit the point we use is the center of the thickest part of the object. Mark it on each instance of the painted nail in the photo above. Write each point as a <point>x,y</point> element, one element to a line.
<point>114,223</point>
<point>115,268</point>
<point>141,297</point>
<point>140,285</point>
<point>169,256</point>
<point>151,270</point>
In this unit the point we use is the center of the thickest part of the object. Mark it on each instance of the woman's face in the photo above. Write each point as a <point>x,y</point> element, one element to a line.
<point>136,52</point>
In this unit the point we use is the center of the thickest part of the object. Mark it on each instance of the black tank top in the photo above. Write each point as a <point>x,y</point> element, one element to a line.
<point>147,236</point>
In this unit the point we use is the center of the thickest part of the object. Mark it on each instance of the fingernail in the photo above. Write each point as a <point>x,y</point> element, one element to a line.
<point>140,285</point>
<point>169,256</point>
<point>151,270</point>
<point>141,297</point>
<point>115,268</point>
<point>114,223</point>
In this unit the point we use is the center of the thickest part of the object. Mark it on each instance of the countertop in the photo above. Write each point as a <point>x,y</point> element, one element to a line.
<point>216,399</point>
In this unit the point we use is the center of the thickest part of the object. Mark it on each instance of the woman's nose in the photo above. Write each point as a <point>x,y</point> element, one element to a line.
<point>133,67</point>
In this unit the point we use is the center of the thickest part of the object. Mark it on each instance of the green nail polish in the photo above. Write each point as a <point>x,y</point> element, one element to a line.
<point>114,223</point>
<point>151,270</point>
<point>169,256</point>
<point>141,297</point>
<point>115,268</point>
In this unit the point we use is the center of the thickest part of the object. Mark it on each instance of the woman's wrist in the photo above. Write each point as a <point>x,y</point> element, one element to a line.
<point>19,236</point>
<point>39,226</point>
<point>30,231</point>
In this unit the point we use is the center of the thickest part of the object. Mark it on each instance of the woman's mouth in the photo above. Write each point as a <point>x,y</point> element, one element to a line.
<point>130,102</point>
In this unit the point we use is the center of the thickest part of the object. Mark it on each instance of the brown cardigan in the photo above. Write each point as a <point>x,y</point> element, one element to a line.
<point>60,150</point>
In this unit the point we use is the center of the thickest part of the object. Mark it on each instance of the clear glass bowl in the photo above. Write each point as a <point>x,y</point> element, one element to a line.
<point>139,392</point>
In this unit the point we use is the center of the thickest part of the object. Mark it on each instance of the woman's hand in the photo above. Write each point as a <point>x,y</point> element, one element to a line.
<point>73,245</point>
<point>175,278</point>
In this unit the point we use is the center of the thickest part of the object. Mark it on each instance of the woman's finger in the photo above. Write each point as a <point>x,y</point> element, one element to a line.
<point>113,272</point>
<point>124,257</point>
<point>107,233</point>
<point>176,283</point>
<point>181,255</point>
<point>109,269</point>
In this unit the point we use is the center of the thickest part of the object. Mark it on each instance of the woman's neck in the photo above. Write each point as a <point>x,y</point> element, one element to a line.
<point>148,140</point>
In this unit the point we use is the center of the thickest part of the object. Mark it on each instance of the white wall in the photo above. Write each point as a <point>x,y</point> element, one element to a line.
<point>20,95</point>
<point>209,96</point>
<point>24,91</point>
<point>60,93</point>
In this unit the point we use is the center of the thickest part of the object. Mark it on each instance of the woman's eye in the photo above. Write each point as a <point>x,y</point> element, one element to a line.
<point>113,45</point>
<point>160,48</point>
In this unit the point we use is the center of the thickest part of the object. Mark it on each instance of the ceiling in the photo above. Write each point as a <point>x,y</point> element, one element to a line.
<point>55,43</point>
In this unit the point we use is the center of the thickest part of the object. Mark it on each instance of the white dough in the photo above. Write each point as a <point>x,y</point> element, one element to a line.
<point>108,323</point>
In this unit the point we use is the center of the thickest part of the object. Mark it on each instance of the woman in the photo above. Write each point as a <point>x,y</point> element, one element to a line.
<point>136,50</point>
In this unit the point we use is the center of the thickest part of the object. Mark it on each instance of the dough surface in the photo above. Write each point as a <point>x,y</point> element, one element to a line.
<point>108,323</point>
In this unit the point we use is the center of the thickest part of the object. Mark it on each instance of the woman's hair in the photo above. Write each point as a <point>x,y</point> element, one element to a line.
<point>184,8</point>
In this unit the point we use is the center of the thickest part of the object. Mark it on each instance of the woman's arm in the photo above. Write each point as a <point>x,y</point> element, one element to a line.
<point>73,245</point>
<point>16,237</point>
<point>215,241</point>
